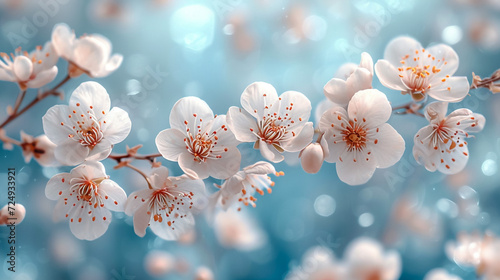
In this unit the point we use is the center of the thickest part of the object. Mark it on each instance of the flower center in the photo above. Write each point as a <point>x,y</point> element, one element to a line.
<point>86,190</point>
<point>165,200</point>
<point>271,132</point>
<point>199,146</point>
<point>91,136</point>
<point>355,136</point>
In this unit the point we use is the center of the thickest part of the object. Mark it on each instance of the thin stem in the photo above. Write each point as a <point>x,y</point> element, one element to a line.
<point>142,174</point>
<point>404,106</point>
<point>149,157</point>
<point>39,98</point>
<point>19,100</point>
<point>6,139</point>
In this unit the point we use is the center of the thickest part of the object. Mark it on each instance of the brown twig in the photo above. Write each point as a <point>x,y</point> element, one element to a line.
<point>140,172</point>
<point>409,108</point>
<point>19,100</point>
<point>477,82</point>
<point>119,158</point>
<point>39,98</point>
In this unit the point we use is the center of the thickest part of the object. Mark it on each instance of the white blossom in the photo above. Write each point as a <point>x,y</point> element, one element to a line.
<point>440,274</point>
<point>40,148</point>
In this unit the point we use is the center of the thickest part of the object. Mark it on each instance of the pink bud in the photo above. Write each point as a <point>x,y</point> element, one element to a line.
<point>14,213</point>
<point>311,158</point>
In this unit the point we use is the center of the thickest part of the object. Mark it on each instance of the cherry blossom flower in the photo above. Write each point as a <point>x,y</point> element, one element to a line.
<point>440,274</point>
<point>365,260</point>
<point>86,129</point>
<point>359,140</point>
<point>340,91</point>
<point>85,197</point>
<point>275,124</point>
<point>441,145</point>
<point>204,273</point>
<point>30,70</point>
<point>89,54</point>
<point>201,143</point>
<point>12,213</point>
<point>411,69</point>
<point>236,229</point>
<point>40,148</point>
<point>166,207</point>
<point>318,263</point>
<point>242,186</point>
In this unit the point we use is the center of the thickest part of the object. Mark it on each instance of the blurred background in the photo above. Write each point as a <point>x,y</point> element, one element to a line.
<point>213,50</point>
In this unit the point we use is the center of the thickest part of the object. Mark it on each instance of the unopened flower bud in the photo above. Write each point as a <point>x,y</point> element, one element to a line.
<point>311,158</point>
<point>12,213</point>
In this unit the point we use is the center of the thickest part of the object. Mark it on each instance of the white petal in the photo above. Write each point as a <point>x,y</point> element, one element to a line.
<point>356,168</point>
<point>331,124</point>
<point>43,78</point>
<point>390,145</point>
<point>261,168</point>
<point>311,158</point>
<point>192,167</point>
<point>453,89</point>
<point>370,106</point>
<point>57,186</point>
<point>392,266</point>
<point>71,152</point>
<point>388,75</point>
<point>345,70</point>
<point>226,166</point>
<point>435,112</point>
<point>23,67</point>
<point>399,47</point>
<point>321,108</point>
<point>269,152</point>
<point>225,136</point>
<point>136,200</point>
<point>423,152</point>
<point>141,220</point>
<point>87,228</point>
<point>159,176</point>
<point>300,140</point>
<point>90,169</point>
<point>296,106</point>
<point>170,143</point>
<point>366,62</point>
<point>47,158</point>
<point>176,229</point>
<point>52,127</point>
<point>242,124</point>
<point>89,54</point>
<point>7,75</point>
<point>117,126</point>
<point>62,39</point>
<point>447,53</point>
<point>114,196</point>
<point>100,151</point>
<point>341,92</point>
<point>113,63</point>
<point>336,91</point>
<point>91,96</point>
<point>256,97</point>
<point>192,110</point>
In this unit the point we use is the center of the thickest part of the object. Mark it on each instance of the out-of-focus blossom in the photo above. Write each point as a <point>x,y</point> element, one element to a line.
<point>85,197</point>
<point>242,186</point>
<point>204,273</point>
<point>30,70</point>
<point>275,124</point>
<point>40,148</point>
<point>12,213</point>
<point>365,259</point>
<point>200,142</point>
<point>440,274</point>
<point>86,129</point>
<point>340,91</point>
<point>167,206</point>
<point>411,69</point>
<point>312,156</point>
<point>89,54</point>
<point>159,263</point>
<point>235,229</point>
<point>359,140</point>
<point>318,263</point>
<point>441,145</point>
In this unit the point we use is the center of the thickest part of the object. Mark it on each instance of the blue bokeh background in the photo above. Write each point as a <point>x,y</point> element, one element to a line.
<point>213,49</point>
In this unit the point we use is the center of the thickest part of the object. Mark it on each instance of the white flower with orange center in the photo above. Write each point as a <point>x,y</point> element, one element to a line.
<point>275,124</point>
<point>85,197</point>
<point>359,140</point>
<point>29,70</point>
<point>40,148</point>
<point>201,143</point>
<point>89,54</point>
<point>414,70</point>
<point>86,129</point>
<point>366,260</point>
<point>166,207</point>
<point>441,145</point>
<point>243,185</point>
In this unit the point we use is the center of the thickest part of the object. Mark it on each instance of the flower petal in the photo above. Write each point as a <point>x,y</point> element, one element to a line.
<point>55,124</point>
<point>116,125</point>
<point>85,227</point>
<point>435,112</point>
<point>269,152</point>
<point>242,124</point>
<point>447,54</point>
<point>58,186</point>
<point>136,200</point>
<point>91,96</point>
<point>71,152</point>
<point>366,62</point>
<point>260,168</point>
<point>453,89</point>
<point>23,67</point>
<point>114,196</point>
<point>356,168</point>
<point>370,106</point>
<point>256,97</point>
<point>390,145</point>
<point>388,76</point>
<point>225,136</point>
<point>192,167</point>
<point>181,226</point>
<point>43,78</point>
<point>226,166</point>
<point>170,143</point>
<point>90,54</point>
<point>297,107</point>
<point>63,39</point>
<point>398,48</point>
<point>189,113</point>
<point>100,151</point>
<point>300,140</point>
<point>423,152</point>
<point>141,220</point>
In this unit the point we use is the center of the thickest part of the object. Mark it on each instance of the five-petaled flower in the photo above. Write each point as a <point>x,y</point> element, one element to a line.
<point>89,54</point>
<point>410,68</point>
<point>340,91</point>
<point>30,70</point>
<point>441,145</point>
<point>86,129</point>
<point>40,148</point>
<point>275,124</point>
<point>167,207</point>
<point>242,186</point>
<point>201,143</point>
<point>84,197</point>
<point>360,140</point>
